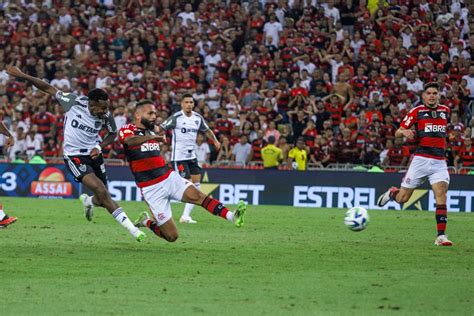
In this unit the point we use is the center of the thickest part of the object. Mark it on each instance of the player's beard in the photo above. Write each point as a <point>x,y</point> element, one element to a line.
<point>148,124</point>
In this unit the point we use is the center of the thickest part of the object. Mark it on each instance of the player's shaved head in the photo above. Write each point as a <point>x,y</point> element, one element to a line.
<point>140,105</point>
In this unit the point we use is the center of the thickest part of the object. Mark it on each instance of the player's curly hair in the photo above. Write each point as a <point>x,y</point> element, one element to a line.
<point>97,94</point>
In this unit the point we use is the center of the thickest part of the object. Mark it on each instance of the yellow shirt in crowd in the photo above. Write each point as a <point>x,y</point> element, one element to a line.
<point>271,156</point>
<point>300,156</point>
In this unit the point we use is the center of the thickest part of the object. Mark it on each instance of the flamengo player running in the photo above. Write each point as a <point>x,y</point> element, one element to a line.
<point>185,125</point>
<point>85,117</point>
<point>430,121</point>
<point>6,220</point>
<point>159,183</point>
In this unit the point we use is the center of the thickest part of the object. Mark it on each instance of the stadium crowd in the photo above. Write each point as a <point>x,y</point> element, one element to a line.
<point>337,76</point>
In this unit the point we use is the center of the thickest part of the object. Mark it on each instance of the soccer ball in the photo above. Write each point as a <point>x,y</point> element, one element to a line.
<point>357,219</point>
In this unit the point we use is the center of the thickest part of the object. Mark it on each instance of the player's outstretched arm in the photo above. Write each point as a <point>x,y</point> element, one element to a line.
<point>38,83</point>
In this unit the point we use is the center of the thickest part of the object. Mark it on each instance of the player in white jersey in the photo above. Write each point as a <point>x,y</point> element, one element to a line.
<point>84,119</point>
<point>186,124</point>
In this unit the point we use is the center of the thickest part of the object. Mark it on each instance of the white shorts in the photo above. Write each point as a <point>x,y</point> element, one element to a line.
<point>422,168</point>
<point>158,196</point>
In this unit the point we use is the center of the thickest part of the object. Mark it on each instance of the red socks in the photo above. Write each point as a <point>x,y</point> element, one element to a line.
<point>441,218</point>
<point>215,207</point>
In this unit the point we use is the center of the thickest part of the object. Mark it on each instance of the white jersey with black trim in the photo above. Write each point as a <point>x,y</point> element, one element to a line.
<point>81,128</point>
<point>185,129</point>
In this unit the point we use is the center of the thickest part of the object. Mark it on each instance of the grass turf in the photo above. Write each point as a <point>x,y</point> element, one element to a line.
<point>284,261</point>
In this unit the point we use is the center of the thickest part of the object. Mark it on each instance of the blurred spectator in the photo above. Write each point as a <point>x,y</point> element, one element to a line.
<point>241,151</point>
<point>398,155</point>
<point>298,156</point>
<point>44,122</point>
<point>340,64</point>
<point>271,155</point>
<point>203,151</point>
<point>465,157</point>
<point>225,153</point>
<point>34,141</point>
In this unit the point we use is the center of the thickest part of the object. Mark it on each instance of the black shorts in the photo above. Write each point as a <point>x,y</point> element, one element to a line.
<point>186,168</point>
<point>81,165</point>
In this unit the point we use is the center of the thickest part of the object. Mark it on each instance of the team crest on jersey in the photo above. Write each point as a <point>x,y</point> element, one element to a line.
<point>82,167</point>
<point>442,115</point>
<point>197,122</point>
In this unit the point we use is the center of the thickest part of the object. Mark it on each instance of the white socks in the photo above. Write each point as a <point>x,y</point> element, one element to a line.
<point>2,214</point>
<point>230,216</point>
<point>122,218</point>
<point>188,207</point>
<point>88,201</point>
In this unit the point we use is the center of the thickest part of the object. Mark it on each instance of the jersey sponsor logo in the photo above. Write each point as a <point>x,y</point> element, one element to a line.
<point>188,130</point>
<point>88,129</point>
<point>429,127</point>
<point>150,147</point>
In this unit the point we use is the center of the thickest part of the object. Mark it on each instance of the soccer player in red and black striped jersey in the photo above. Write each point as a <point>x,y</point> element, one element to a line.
<point>430,121</point>
<point>158,182</point>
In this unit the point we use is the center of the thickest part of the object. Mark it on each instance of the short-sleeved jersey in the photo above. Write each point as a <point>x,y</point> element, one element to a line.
<point>300,156</point>
<point>81,128</point>
<point>185,129</point>
<point>147,164</point>
<point>431,130</point>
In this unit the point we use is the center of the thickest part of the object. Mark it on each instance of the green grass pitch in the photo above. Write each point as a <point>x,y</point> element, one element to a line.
<point>284,261</point>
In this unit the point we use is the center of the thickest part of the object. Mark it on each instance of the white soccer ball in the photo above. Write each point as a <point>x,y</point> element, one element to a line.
<point>357,219</point>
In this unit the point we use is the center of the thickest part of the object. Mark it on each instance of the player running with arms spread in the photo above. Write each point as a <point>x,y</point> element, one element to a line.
<point>84,119</point>
<point>159,183</point>
<point>186,124</point>
<point>430,120</point>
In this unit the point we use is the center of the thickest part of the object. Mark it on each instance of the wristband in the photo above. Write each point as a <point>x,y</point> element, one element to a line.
<point>98,147</point>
